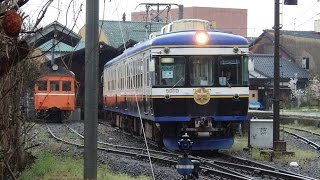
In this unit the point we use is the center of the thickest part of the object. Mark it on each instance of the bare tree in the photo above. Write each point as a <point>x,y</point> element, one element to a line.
<point>16,75</point>
<point>18,72</point>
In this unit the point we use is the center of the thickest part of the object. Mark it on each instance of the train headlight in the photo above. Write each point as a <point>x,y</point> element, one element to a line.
<point>201,38</point>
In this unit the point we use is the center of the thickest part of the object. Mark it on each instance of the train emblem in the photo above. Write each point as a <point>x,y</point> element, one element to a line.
<point>201,96</point>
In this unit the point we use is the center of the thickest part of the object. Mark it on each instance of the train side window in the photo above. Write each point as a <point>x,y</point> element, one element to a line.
<point>54,86</point>
<point>42,85</point>
<point>66,86</point>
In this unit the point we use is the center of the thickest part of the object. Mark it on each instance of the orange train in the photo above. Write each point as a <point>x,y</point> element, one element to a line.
<point>54,93</point>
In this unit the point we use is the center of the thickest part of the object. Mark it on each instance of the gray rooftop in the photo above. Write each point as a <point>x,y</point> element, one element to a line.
<point>303,34</point>
<point>137,31</point>
<point>263,63</point>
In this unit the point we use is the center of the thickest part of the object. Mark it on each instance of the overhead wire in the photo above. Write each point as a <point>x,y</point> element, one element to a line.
<point>137,103</point>
<point>302,14</point>
<point>308,20</point>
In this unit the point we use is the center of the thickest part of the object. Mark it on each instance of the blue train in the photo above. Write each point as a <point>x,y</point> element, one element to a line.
<point>184,81</point>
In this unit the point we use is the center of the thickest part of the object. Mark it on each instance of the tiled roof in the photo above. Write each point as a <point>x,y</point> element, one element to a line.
<point>62,47</point>
<point>303,34</point>
<point>48,32</point>
<point>137,31</point>
<point>80,45</point>
<point>46,69</point>
<point>263,63</point>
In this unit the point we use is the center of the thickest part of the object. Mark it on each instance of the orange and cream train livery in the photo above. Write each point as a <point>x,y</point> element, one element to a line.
<point>54,93</point>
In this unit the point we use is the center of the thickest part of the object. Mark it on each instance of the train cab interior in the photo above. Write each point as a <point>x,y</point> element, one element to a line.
<point>54,85</point>
<point>194,71</point>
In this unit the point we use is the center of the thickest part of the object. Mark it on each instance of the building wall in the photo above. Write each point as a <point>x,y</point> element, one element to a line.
<point>253,95</point>
<point>223,19</point>
<point>40,58</point>
<point>304,47</point>
<point>102,38</point>
<point>298,48</point>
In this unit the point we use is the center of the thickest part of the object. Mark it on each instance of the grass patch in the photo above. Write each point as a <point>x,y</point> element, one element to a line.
<point>240,142</point>
<point>301,156</point>
<point>48,166</point>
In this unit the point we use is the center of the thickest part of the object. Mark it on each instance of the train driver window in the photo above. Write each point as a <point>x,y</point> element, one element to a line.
<point>42,85</point>
<point>201,69</point>
<point>66,86</point>
<point>54,86</point>
<point>229,71</point>
<point>171,71</point>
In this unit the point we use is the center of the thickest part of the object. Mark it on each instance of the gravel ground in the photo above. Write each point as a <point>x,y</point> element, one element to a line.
<point>309,167</point>
<point>132,167</point>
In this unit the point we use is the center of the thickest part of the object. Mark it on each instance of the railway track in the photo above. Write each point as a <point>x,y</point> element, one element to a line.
<point>229,168</point>
<point>313,139</point>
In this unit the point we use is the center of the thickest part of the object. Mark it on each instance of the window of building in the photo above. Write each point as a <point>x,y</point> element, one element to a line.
<point>305,63</point>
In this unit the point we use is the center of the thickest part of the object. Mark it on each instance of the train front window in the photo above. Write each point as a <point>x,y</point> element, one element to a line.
<point>201,70</point>
<point>42,85</point>
<point>170,71</point>
<point>233,70</point>
<point>66,86</point>
<point>54,86</point>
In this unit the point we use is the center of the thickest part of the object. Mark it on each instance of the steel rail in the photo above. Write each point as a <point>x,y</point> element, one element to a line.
<point>303,130</point>
<point>127,147</point>
<point>313,144</point>
<point>270,172</point>
<point>131,154</point>
<point>264,166</point>
<point>260,170</point>
<point>170,160</point>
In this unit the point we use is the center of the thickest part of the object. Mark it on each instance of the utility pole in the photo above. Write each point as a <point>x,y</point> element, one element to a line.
<point>149,5</point>
<point>180,11</point>
<point>276,114</point>
<point>91,89</point>
<point>277,144</point>
<point>53,41</point>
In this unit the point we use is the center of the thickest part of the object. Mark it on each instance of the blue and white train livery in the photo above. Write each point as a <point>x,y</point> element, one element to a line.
<point>191,81</point>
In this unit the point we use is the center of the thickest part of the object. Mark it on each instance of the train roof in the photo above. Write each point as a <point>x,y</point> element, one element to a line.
<point>46,69</point>
<point>183,38</point>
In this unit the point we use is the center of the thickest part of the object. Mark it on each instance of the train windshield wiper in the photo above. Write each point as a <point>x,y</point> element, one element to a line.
<point>228,84</point>
<point>177,82</point>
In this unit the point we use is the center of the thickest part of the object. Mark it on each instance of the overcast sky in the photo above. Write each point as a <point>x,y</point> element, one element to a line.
<point>260,12</point>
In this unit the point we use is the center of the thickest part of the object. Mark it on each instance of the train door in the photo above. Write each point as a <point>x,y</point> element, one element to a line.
<point>126,79</point>
<point>147,84</point>
<point>144,84</point>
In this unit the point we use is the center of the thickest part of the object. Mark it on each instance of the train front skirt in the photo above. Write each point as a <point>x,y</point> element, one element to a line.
<point>171,143</point>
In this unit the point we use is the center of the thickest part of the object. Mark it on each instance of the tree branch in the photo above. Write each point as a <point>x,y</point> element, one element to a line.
<point>22,2</point>
<point>41,14</point>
